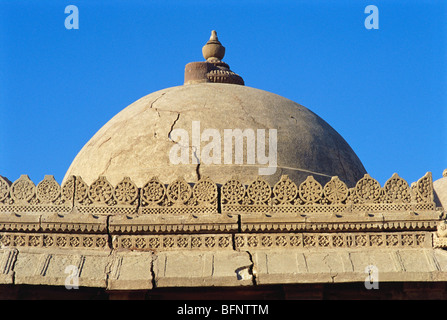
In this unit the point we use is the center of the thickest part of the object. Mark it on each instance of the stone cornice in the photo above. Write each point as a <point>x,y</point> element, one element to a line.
<point>173,224</point>
<point>53,223</point>
<point>335,223</point>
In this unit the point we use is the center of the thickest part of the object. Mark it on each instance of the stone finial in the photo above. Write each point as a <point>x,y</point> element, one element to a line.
<point>213,49</point>
<point>444,173</point>
<point>213,69</point>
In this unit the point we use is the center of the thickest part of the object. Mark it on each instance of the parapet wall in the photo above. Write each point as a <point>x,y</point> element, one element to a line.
<point>129,237</point>
<point>140,217</point>
<point>205,197</point>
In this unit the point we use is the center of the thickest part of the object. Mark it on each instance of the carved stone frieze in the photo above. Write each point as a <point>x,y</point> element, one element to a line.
<point>101,198</point>
<point>310,197</point>
<point>178,197</point>
<point>193,237</point>
<point>181,207</point>
<point>54,240</point>
<point>332,240</point>
<point>23,196</point>
<point>245,241</point>
<point>172,242</point>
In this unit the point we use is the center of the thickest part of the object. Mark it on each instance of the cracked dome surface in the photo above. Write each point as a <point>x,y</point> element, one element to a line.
<point>137,143</point>
<point>440,190</point>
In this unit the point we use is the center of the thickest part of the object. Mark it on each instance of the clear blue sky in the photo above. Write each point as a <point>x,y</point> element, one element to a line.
<point>383,90</point>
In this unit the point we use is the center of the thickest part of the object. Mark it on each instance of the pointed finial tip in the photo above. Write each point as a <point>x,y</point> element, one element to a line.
<point>213,49</point>
<point>213,35</point>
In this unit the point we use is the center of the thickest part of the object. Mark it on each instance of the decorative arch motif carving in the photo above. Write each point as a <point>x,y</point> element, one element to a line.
<point>259,191</point>
<point>48,190</point>
<point>368,189</point>
<point>285,191</point>
<point>180,197</point>
<point>153,191</point>
<point>397,190</point>
<point>125,192</point>
<point>335,191</point>
<point>310,191</point>
<point>179,191</point>
<point>100,191</point>
<point>233,191</point>
<point>23,189</point>
<point>205,191</point>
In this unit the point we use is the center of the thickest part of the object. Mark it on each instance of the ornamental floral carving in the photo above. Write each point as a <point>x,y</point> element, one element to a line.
<point>74,241</point>
<point>407,239</point>
<point>19,240</point>
<point>196,242</point>
<point>281,241</point>
<point>100,191</point>
<point>368,189</point>
<point>424,189</point>
<point>34,241</point>
<point>6,240</point>
<point>168,242</point>
<point>285,190</point>
<point>153,191</point>
<point>140,243</point>
<point>420,238</point>
<point>335,191</point>
<point>233,191</point>
<point>309,240</point>
<point>23,189</point>
<point>259,191</point>
<point>205,191</point>
<point>48,190</point>
<point>210,242</point>
<point>87,242</point>
<point>397,190</point>
<point>392,240</point>
<point>101,242</point>
<point>310,191</point>
<point>239,241</point>
<point>61,241</point>
<point>81,190</point>
<point>252,241</point>
<point>126,243</point>
<point>125,192</point>
<point>376,240</point>
<point>295,241</point>
<point>4,188</point>
<point>224,241</point>
<point>361,240</point>
<point>337,241</point>
<point>266,241</point>
<point>179,191</point>
<point>68,188</point>
<point>182,242</point>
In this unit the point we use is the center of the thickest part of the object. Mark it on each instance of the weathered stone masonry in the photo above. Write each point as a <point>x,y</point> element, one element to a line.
<point>129,237</point>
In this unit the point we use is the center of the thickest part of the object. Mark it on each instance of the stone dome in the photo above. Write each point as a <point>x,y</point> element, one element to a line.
<point>440,190</point>
<point>137,142</point>
<point>214,126</point>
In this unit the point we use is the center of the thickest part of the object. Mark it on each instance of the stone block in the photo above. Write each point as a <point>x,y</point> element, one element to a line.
<point>58,268</point>
<point>130,271</point>
<point>204,268</point>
